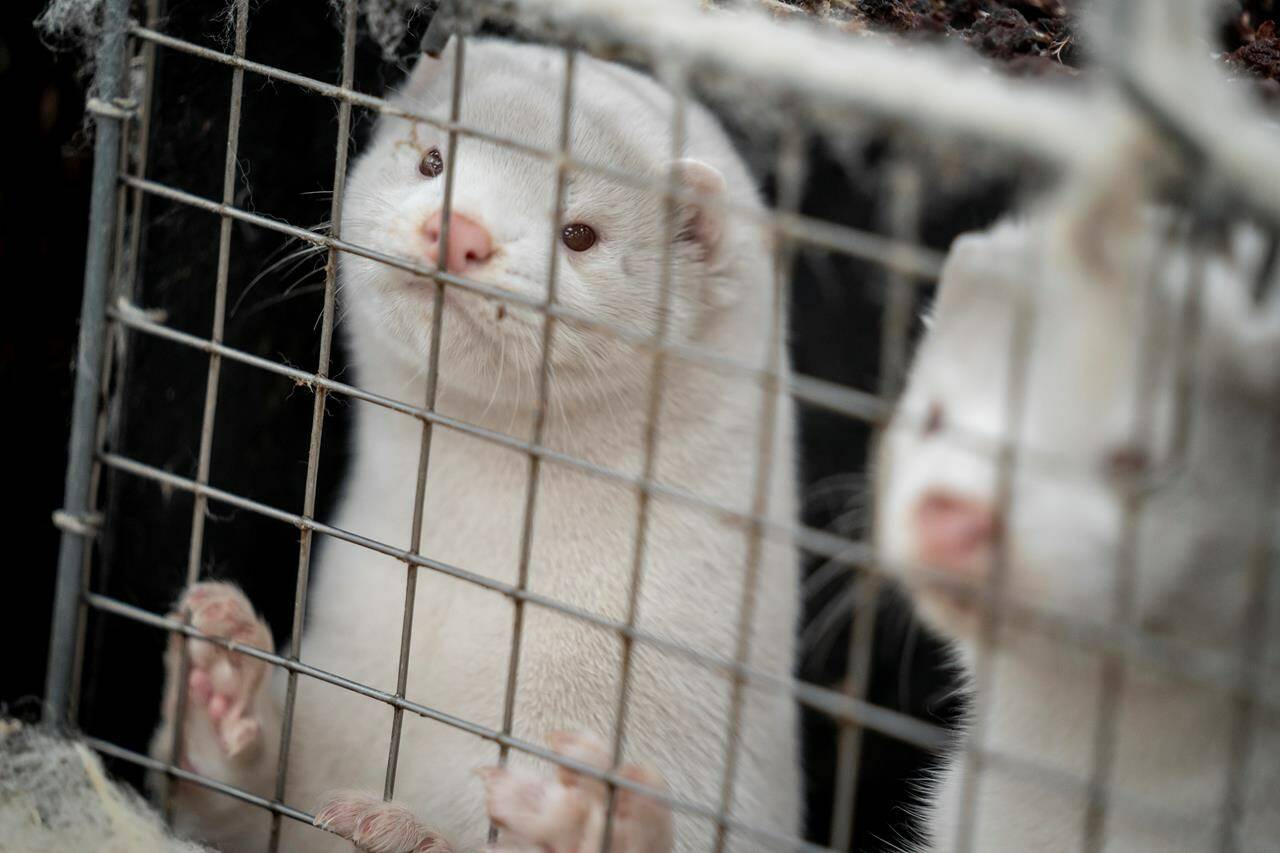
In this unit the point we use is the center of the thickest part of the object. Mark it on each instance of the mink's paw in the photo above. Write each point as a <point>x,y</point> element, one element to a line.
<point>565,812</point>
<point>376,826</point>
<point>221,684</point>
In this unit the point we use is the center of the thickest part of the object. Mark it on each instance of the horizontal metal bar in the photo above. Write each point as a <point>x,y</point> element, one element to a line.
<point>1218,671</point>
<point>829,701</point>
<point>108,748</point>
<point>138,614</point>
<point>828,395</point>
<point>907,258</point>
<point>803,388</point>
<point>1058,777</point>
<point>833,397</point>
<point>808,389</point>
<point>1192,663</point>
<point>935,90</point>
<point>811,539</point>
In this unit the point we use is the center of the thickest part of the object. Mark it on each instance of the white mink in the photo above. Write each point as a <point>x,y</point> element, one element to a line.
<point>1099,289</point>
<point>722,287</point>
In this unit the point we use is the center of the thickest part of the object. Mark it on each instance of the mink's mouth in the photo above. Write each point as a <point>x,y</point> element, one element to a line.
<point>457,307</point>
<point>953,604</point>
<point>953,598</point>
<point>953,613</point>
<point>489,314</point>
<point>491,323</point>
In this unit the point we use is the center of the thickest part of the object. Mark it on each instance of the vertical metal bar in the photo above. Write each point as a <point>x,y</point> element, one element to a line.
<point>118,257</point>
<point>118,276</point>
<point>904,200</point>
<point>88,380</point>
<point>1254,635</point>
<point>1258,622</point>
<point>1132,495</point>
<point>317,413</point>
<point>424,450</point>
<point>657,379</point>
<point>100,424</point>
<point>131,260</point>
<point>849,742</point>
<point>200,501</point>
<point>540,415</point>
<point>993,592</point>
<point>1180,25</point>
<point>1112,681</point>
<point>92,510</point>
<point>905,209</point>
<point>791,174</point>
<point>144,143</point>
<point>136,146</point>
<point>1188,334</point>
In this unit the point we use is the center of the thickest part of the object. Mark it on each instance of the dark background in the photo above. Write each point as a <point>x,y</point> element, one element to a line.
<point>44,206</point>
<point>263,422</point>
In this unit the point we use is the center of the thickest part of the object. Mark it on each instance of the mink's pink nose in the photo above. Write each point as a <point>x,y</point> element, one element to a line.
<point>469,243</point>
<point>953,531</point>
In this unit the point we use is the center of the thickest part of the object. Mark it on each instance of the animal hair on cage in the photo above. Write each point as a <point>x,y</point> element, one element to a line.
<point>55,796</point>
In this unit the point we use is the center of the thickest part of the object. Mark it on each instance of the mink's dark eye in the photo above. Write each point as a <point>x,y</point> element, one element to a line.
<point>578,237</point>
<point>431,164</point>
<point>1127,462</point>
<point>933,420</point>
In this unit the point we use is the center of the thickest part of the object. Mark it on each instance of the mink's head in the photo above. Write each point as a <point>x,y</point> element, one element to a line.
<point>610,252</point>
<point>1145,438</point>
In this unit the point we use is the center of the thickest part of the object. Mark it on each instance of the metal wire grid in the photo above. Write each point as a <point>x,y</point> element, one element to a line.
<point>900,255</point>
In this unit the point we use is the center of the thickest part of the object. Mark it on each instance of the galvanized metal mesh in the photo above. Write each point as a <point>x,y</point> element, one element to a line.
<point>829,92</point>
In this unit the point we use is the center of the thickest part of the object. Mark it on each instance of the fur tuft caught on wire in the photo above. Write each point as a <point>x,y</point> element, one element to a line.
<point>56,797</point>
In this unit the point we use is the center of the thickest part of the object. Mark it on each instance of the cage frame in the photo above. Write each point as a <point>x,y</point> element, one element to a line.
<point>116,191</point>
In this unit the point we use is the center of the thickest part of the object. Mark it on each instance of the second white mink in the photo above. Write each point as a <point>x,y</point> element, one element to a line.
<point>1103,412</point>
<point>609,260</point>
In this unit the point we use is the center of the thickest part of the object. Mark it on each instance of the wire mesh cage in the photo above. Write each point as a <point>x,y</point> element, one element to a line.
<point>873,157</point>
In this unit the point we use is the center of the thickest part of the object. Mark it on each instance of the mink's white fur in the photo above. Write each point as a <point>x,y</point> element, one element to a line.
<point>694,563</point>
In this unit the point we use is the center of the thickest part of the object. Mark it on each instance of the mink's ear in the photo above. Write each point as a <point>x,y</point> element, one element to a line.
<point>429,70</point>
<point>1240,295</point>
<point>701,211</point>
<point>991,264</point>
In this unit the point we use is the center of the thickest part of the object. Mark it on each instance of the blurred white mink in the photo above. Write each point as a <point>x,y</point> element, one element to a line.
<point>610,258</point>
<point>1100,287</point>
